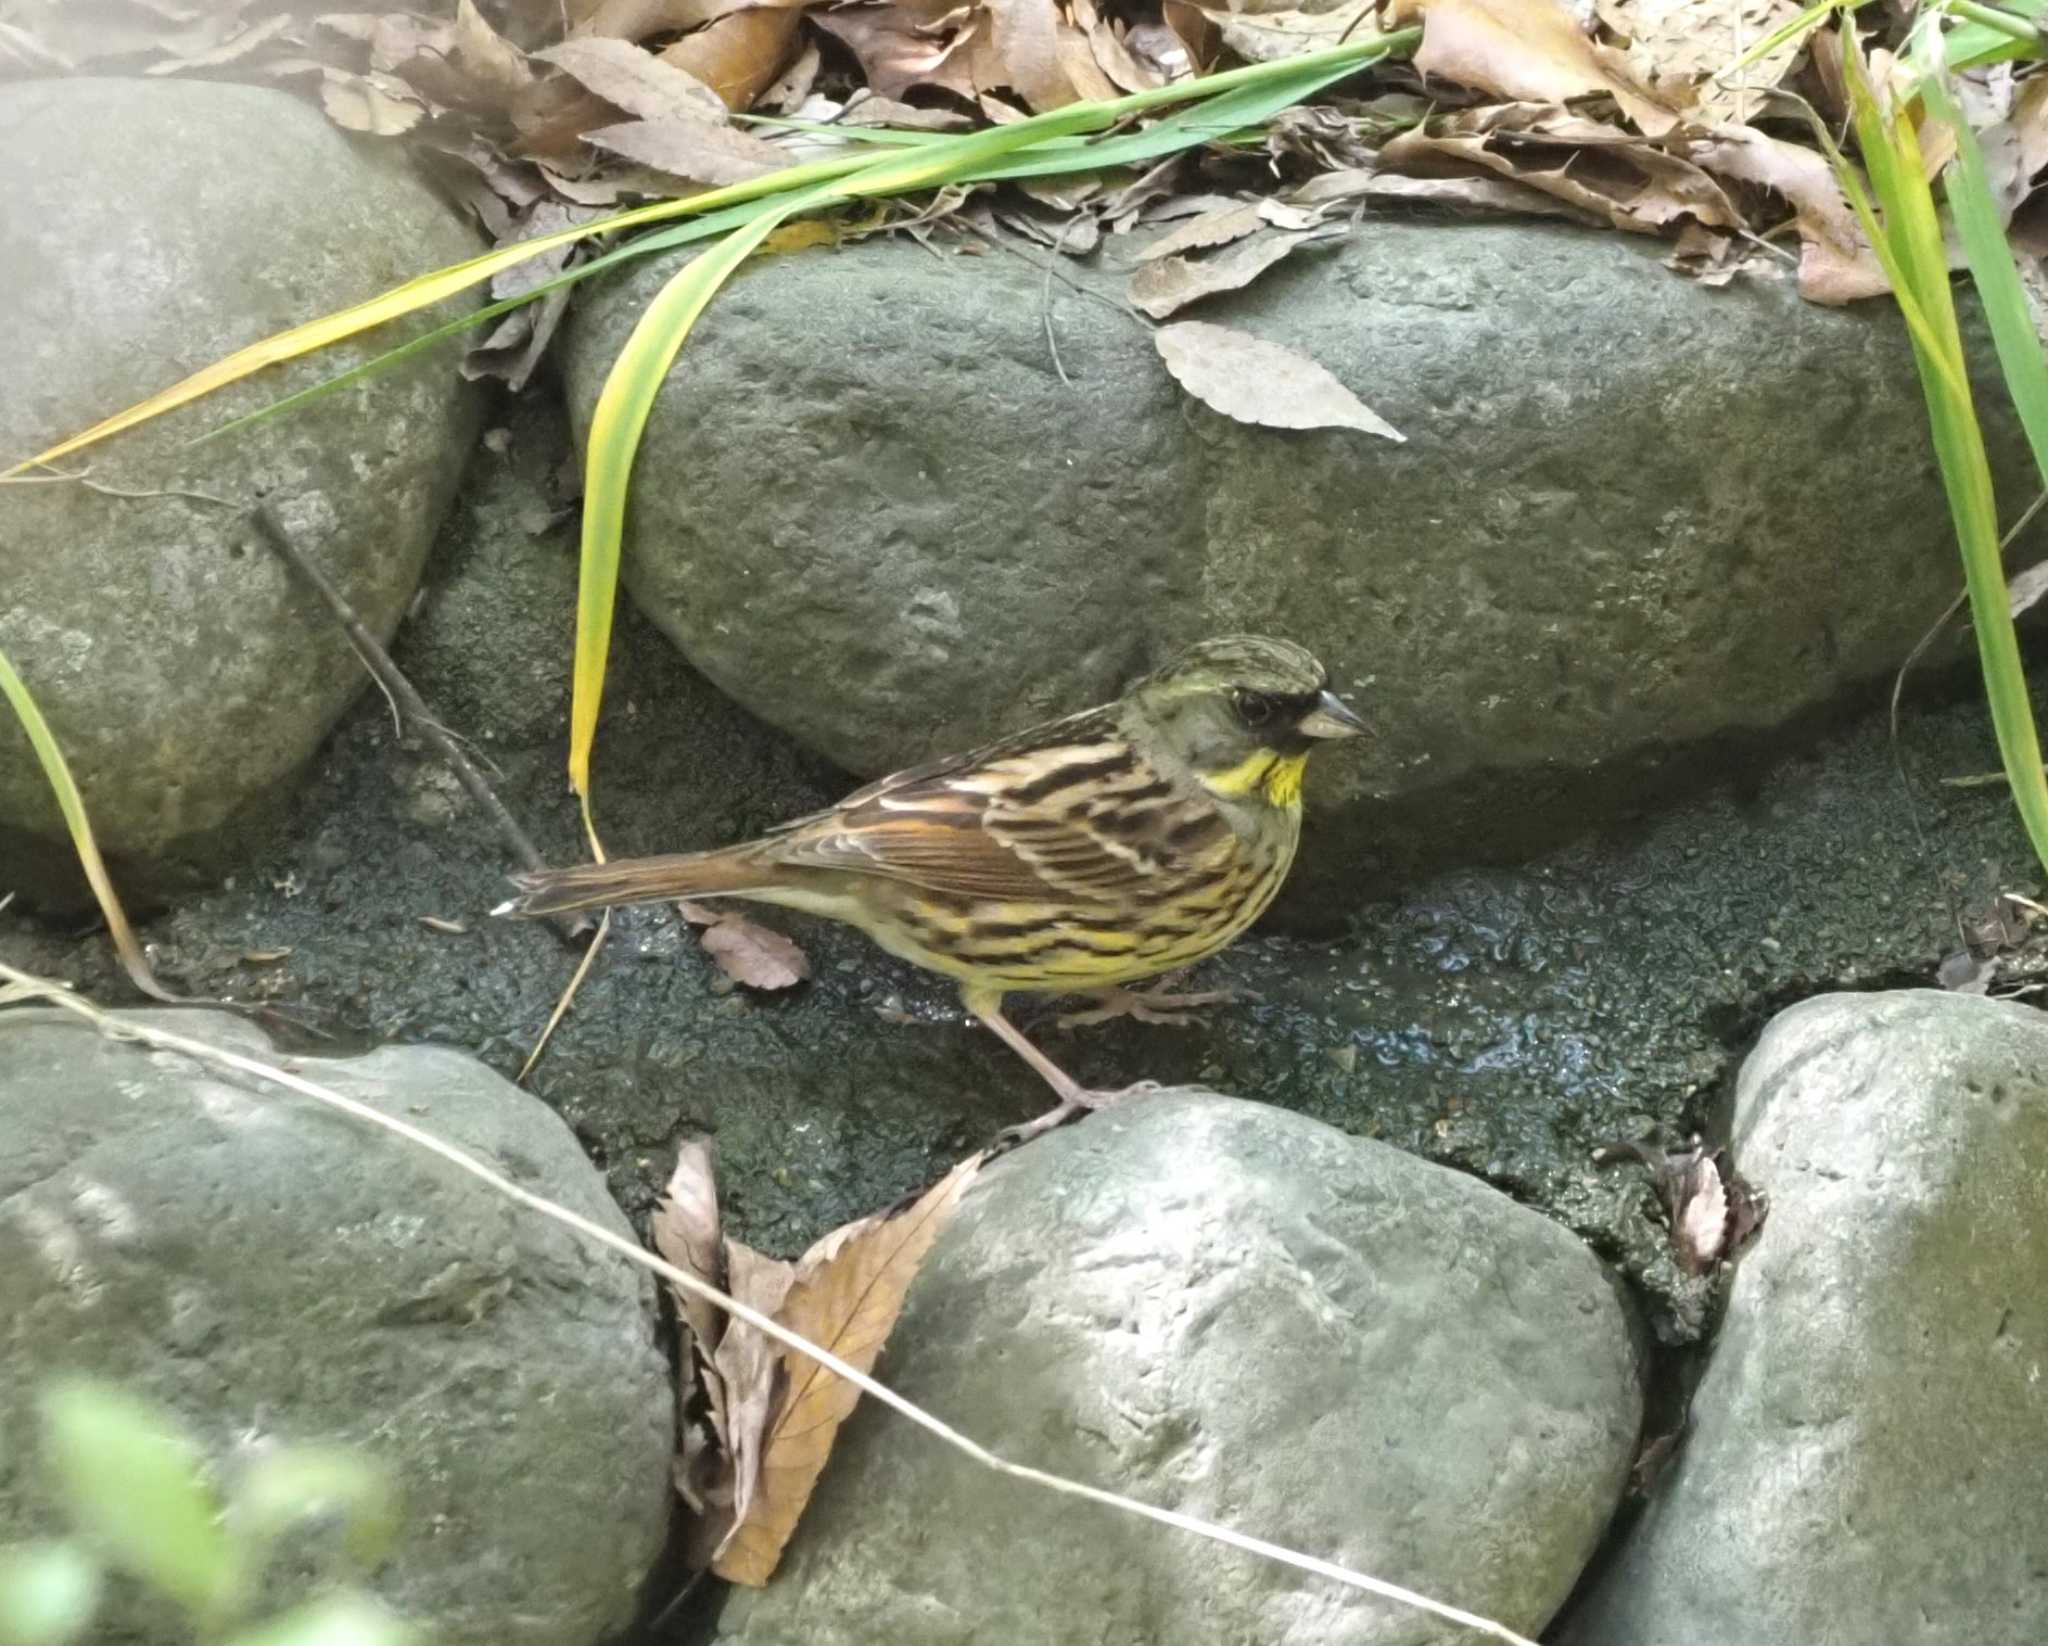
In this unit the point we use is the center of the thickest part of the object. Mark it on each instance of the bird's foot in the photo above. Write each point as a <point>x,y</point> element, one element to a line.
<point>1071,1107</point>
<point>1179,1011</point>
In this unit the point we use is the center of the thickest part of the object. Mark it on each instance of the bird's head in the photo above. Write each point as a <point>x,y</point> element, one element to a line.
<point>1242,713</point>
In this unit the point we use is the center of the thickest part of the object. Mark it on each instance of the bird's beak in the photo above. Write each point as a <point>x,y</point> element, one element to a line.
<point>1331,717</point>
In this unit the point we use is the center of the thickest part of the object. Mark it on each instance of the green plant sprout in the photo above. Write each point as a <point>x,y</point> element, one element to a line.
<point>133,1485</point>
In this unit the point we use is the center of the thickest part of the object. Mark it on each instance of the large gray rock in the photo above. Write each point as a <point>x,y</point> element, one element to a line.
<point>1864,1463</point>
<point>1631,513</point>
<point>147,229</point>
<point>1240,1313</point>
<point>274,1272</point>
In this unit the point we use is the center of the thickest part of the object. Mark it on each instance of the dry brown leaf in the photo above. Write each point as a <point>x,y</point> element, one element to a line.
<point>848,1294</point>
<point>755,955</point>
<point>1699,1222</point>
<point>896,53</point>
<point>1676,47</point>
<point>377,104</point>
<point>1635,185</point>
<point>1170,284</point>
<point>886,111</point>
<point>2024,590</point>
<point>1024,53</point>
<point>1489,194</point>
<point>745,1378</point>
<point>1705,257</point>
<point>691,149</point>
<point>235,46</point>
<point>1253,381</point>
<point>794,83</point>
<point>1077,63</point>
<point>688,1232</point>
<point>637,19</point>
<point>1530,50</point>
<point>740,54</point>
<point>801,236</point>
<point>1112,55</point>
<point>1263,34</point>
<point>634,80</point>
<point>1184,42</point>
<point>1836,264</point>
<point>1212,228</point>
<point>495,68</point>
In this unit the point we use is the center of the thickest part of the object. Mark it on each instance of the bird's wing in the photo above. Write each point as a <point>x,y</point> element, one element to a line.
<point>1073,815</point>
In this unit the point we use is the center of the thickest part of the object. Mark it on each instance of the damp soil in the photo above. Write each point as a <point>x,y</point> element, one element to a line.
<point>1504,1021</point>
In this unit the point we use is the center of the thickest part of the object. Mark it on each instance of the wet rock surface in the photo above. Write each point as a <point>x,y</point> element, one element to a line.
<point>1861,1462</point>
<point>1620,525</point>
<point>148,228</point>
<point>1503,1022</point>
<point>1245,1315</point>
<point>275,1273</point>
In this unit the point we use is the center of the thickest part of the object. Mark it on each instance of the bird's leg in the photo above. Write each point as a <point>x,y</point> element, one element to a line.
<point>1153,1005</point>
<point>1074,1098</point>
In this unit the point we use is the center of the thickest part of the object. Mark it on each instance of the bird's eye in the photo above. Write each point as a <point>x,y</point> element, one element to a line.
<point>1255,709</point>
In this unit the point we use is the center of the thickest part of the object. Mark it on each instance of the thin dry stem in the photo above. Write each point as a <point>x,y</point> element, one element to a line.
<point>166,1041</point>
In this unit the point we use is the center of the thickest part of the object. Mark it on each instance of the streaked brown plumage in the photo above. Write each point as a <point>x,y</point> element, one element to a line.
<point>1084,854</point>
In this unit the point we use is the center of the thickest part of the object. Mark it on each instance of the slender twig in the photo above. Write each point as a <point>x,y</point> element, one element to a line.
<point>1052,342</point>
<point>120,1028</point>
<point>401,692</point>
<point>567,998</point>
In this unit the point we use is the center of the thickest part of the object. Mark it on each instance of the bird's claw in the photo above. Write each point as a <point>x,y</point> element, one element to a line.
<point>1180,1011</point>
<point>1067,1110</point>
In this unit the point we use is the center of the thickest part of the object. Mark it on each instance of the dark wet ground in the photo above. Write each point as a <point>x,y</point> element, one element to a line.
<point>1504,1021</point>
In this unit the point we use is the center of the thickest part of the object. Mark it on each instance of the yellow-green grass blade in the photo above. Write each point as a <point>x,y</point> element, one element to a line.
<point>72,804</point>
<point>1214,120</point>
<point>946,161</point>
<point>421,292</point>
<point>700,228</point>
<point>616,423</point>
<point>1974,210</point>
<point>1910,242</point>
<point>1991,34</point>
<point>1798,28</point>
<point>627,398</point>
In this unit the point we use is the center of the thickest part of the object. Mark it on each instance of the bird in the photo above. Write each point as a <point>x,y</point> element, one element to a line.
<point>1079,856</point>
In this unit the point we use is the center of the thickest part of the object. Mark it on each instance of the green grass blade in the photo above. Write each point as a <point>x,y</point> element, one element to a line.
<point>72,805</point>
<point>645,245</point>
<point>1990,34</point>
<point>1909,241</point>
<point>616,424</point>
<point>422,292</point>
<point>1974,210</point>
<point>1797,29</point>
<point>946,162</point>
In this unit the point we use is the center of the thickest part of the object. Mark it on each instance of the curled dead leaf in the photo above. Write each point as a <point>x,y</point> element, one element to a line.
<point>740,54</point>
<point>1171,283</point>
<point>1254,381</point>
<point>634,80</point>
<point>1680,48</point>
<point>848,1293</point>
<point>754,955</point>
<point>379,105</point>
<point>689,1233</point>
<point>1530,50</point>
<point>688,148</point>
<point>1263,34</point>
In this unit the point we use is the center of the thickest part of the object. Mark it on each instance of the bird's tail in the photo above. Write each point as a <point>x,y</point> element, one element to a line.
<point>634,880</point>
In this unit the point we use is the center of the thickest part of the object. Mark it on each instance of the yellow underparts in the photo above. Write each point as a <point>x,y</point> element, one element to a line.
<point>1275,778</point>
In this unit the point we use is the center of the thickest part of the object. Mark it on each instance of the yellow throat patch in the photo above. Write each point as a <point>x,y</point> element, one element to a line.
<point>1275,778</point>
